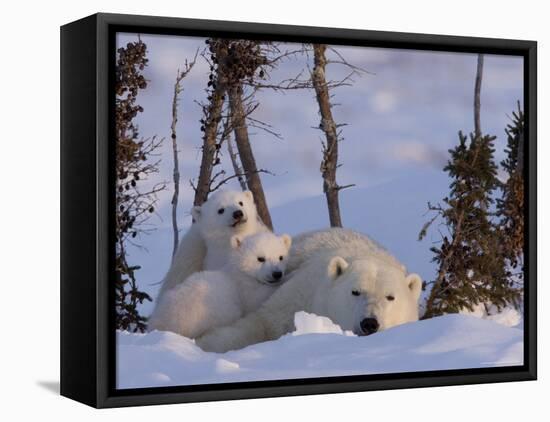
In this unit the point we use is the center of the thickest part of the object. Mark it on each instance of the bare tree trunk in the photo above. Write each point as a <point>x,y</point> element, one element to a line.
<point>176,172</point>
<point>238,121</point>
<point>477,96</point>
<point>227,128</point>
<point>236,168</point>
<point>477,101</point>
<point>211,123</point>
<point>329,127</point>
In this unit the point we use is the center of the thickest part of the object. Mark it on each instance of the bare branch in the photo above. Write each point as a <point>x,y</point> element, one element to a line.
<point>357,69</point>
<point>425,228</point>
<point>263,126</point>
<point>345,186</point>
<point>239,176</point>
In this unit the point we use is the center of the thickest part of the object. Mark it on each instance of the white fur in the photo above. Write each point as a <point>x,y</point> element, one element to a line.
<point>337,262</point>
<point>210,299</point>
<point>309,244</point>
<point>206,244</point>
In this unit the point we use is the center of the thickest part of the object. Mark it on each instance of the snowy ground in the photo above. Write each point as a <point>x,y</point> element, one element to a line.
<point>318,348</point>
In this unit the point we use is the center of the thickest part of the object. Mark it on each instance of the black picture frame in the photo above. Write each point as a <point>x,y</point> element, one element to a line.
<point>87,333</point>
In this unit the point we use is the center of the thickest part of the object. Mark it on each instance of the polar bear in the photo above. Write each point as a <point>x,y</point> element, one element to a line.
<point>205,246</point>
<point>348,278</point>
<point>209,299</point>
<point>309,244</point>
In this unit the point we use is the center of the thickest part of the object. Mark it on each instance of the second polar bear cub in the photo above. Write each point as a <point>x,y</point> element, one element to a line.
<point>205,246</point>
<point>210,299</point>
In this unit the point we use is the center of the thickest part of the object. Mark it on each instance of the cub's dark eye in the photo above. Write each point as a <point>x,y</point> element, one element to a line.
<point>355,292</point>
<point>220,211</point>
<point>241,203</point>
<point>390,297</point>
<point>261,259</point>
<point>281,258</point>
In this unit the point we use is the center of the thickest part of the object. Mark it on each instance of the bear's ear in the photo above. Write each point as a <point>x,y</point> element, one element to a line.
<point>287,240</point>
<point>196,213</point>
<point>249,195</point>
<point>336,267</point>
<point>414,283</point>
<point>236,242</point>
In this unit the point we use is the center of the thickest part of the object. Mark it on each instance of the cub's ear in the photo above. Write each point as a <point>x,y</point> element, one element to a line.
<point>287,240</point>
<point>336,267</point>
<point>236,242</point>
<point>414,283</point>
<point>196,213</point>
<point>249,195</point>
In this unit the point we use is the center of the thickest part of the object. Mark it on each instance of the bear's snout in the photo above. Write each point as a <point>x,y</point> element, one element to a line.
<point>369,326</point>
<point>277,275</point>
<point>237,215</point>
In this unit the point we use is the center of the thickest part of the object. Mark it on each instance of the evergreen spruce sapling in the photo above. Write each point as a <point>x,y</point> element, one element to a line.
<point>510,208</point>
<point>471,270</point>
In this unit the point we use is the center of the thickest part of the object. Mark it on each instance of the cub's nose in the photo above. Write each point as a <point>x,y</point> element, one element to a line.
<point>238,214</point>
<point>277,275</point>
<point>369,325</point>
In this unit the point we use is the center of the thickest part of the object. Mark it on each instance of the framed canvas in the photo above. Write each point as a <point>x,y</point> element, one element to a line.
<point>253,210</point>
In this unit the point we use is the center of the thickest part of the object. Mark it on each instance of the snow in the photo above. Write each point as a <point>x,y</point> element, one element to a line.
<point>307,323</point>
<point>320,348</point>
<point>509,316</point>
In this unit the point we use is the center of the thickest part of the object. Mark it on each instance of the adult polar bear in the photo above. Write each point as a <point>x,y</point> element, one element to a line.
<point>206,245</point>
<point>340,274</point>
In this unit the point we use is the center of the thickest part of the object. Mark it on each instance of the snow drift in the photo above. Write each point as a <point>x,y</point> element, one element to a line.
<point>319,348</point>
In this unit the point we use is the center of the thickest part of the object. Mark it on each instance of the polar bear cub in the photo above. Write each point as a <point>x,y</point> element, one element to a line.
<point>211,299</point>
<point>205,246</point>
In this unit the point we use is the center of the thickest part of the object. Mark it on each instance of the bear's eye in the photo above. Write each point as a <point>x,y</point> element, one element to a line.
<point>355,292</point>
<point>281,258</point>
<point>220,211</point>
<point>241,203</point>
<point>390,297</point>
<point>261,259</point>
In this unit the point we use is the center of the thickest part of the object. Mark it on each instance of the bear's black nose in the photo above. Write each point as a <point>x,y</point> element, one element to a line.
<point>238,214</point>
<point>369,325</point>
<point>277,275</point>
